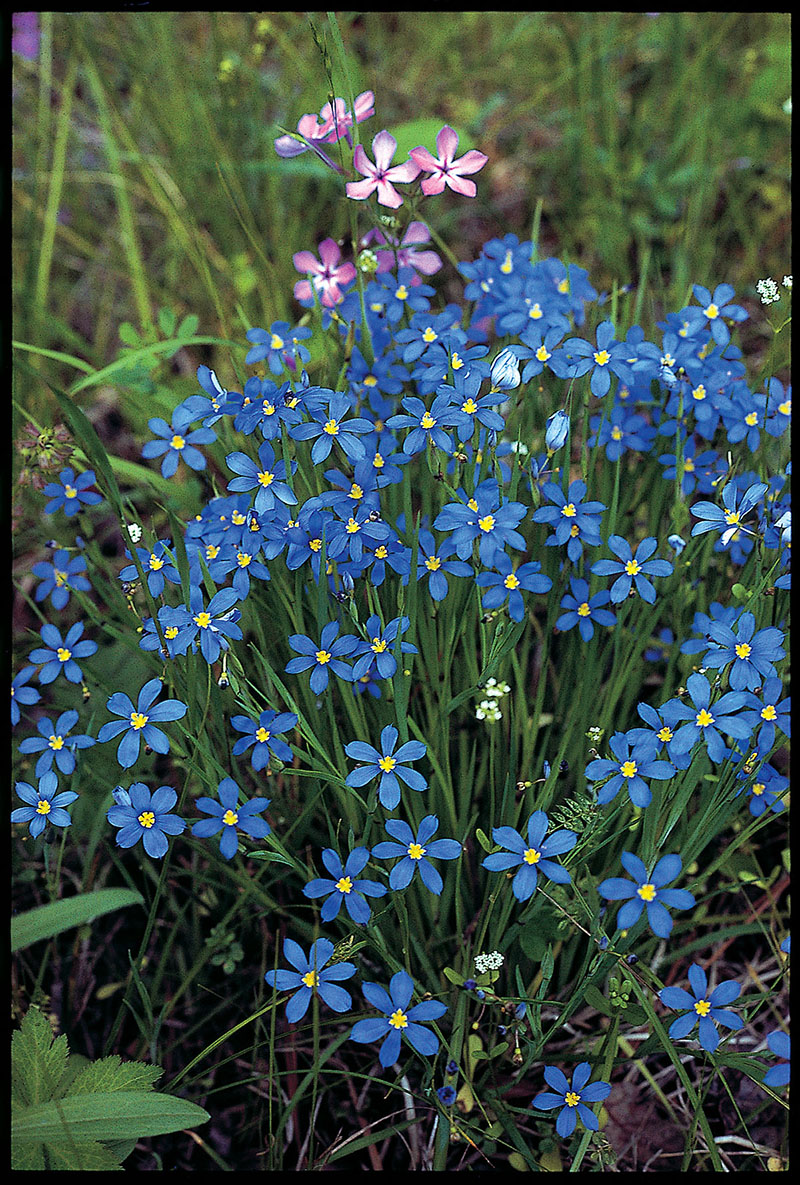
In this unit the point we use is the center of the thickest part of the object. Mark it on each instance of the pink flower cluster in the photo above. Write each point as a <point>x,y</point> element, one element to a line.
<point>334,123</point>
<point>381,176</point>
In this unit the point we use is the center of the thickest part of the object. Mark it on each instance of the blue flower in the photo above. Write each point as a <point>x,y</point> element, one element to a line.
<point>507,583</point>
<point>647,890</point>
<point>323,657</point>
<point>583,610</point>
<point>577,357</point>
<point>728,517</point>
<point>576,522</point>
<point>215,622</point>
<point>329,425</point>
<point>416,852</point>
<point>484,517</point>
<point>386,764</point>
<point>140,815</point>
<point>398,1020</point>
<point>268,478</point>
<point>280,345</point>
<point>632,568</point>
<point>71,493</point>
<point>622,430</point>
<point>705,1007</point>
<point>176,443</point>
<point>45,805</point>
<point>138,722</point>
<point>768,713</point>
<point>705,721</point>
<point>751,653</point>
<point>157,566</point>
<point>59,654</point>
<point>434,562</point>
<point>634,762</point>
<point>56,744</point>
<point>60,578</point>
<point>377,652</point>
<point>311,975</point>
<point>427,425</point>
<point>21,693</point>
<point>766,789</point>
<point>717,306</point>
<point>780,1044</point>
<point>571,1098</point>
<point>447,1095</point>
<point>264,737</point>
<point>345,885</point>
<point>532,857</point>
<point>227,816</point>
<point>266,407</point>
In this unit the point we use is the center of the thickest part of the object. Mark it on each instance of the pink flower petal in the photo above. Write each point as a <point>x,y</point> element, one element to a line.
<point>383,149</point>
<point>287,146</point>
<point>361,162</point>
<point>329,251</point>
<point>417,232</point>
<point>364,106</point>
<point>426,262</point>
<point>461,185</point>
<point>432,185</point>
<point>304,261</point>
<point>388,195</point>
<point>446,143</point>
<point>407,171</point>
<point>470,162</point>
<point>359,190</point>
<point>424,159</point>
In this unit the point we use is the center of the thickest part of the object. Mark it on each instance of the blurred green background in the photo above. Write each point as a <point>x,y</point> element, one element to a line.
<point>144,176</point>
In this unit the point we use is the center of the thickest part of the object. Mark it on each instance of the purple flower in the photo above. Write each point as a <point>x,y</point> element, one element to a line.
<point>705,1007</point>
<point>227,816</point>
<point>328,275</point>
<point>647,890</point>
<point>445,169</point>
<point>381,175</point>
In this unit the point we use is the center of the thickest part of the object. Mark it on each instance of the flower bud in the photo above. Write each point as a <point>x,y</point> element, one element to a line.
<point>556,432</point>
<point>676,543</point>
<point>505,371</point>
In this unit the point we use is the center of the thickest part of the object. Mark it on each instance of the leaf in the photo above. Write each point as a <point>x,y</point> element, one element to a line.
<point>38,1062</point>
<point>47,920</point>
<point>89,1156</point>
<point>484,840</point>
<point>595,998</point>
<point>423,132</point>
<point>453,976</point>
<point>123,1115</point>
<point>111,1074</point>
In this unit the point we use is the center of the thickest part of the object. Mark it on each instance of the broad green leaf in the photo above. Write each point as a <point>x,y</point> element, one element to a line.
<point>122,1115</point>
<point>38,1061</point>
<point>111,1074</point>
<point>47,920</point>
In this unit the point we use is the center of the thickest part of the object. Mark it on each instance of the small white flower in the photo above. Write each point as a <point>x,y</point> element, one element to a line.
<point>768,291</point>
<point>489,962</point>
<point>135,532</point>
<point>787,281</point>
<point>488,710</point>
<point>517,446</point>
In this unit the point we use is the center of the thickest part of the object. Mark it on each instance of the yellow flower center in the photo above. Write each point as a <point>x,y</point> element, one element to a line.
<point>456,362</point>
<point>203,619</point>
<point>276,342</point>
<point>628,769</point>
<point>56,743</point>
<point>647,892</point>
<point>356,492</point>
<point>387,764</point>
<point>486,523</point>
<point>665,733</point>
<point>61,578</point>
<point>472,504</point>
<point>322,656</point>
<point>398,1020</point>
<point>702,1007</point>
<point>563,286</point>
<point>429,335</point>
<point>574,530</point>
<point>732,518</point>
<point>507,266</point>
<point>712,311</point>
<point>616,433</point>
<point>138,720</point>
<point>378,461</point>
<point>743,650</point>
<point>416,851</point>
<point>63,654</point>
<point>352,525</point>
<point>511,581</point>
<point>344,884</point>
<point>572,1098</point>
<point>230,818</point>
<point>602,357</point>
<point>43,807</point>
<point>542,354</point>
<point>267,408</point>
<point>427,421</point>
<point>469,406</point>
<point>535,313</point>
<point>315,544</point>
<point>759,788</point>
<point>584,610</point>
<point>688,465</point>
<point>378,645</point>
<point>311,979</point>
<point>381,553</point>
<point>699,392</point>
<point>262,735</point>
<point>703,718</point>
<point>178,442</point>
<point>632,567</point>
<point>266,478</point>
<point>769,713</point>
<point>402,292</point>
<point>785,408</point>
<point>433,563</point>
<point>171,632</point>
<point>147,819</point>
<point>243,559</point>
<point>332,427</point>
<point>569,510</point>
<point>70,492</point>
<point>156,563</point>
<point>531,856</point>
<point>752,419</point>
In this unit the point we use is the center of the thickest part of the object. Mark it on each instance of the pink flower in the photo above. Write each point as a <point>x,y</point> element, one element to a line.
<point>446,170</point>
<point>326,276</point>
<point>336,123</point>
<point>426,262</point>
<point>381,175</point>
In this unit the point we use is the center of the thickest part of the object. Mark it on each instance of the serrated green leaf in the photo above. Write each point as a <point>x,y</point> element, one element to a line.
<point>38,1062</point>
<point>112,1074</point>
<point>121,1115</point>
<point>47,920</point>
<point>27,1157</point>
<point>89,1157</point>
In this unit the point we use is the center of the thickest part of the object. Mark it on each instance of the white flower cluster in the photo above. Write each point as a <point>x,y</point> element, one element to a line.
<point>787,282</point>
<point>768,291</point>
<point>488,709</point>
<point>491,962</point>
<point>135,532</point>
